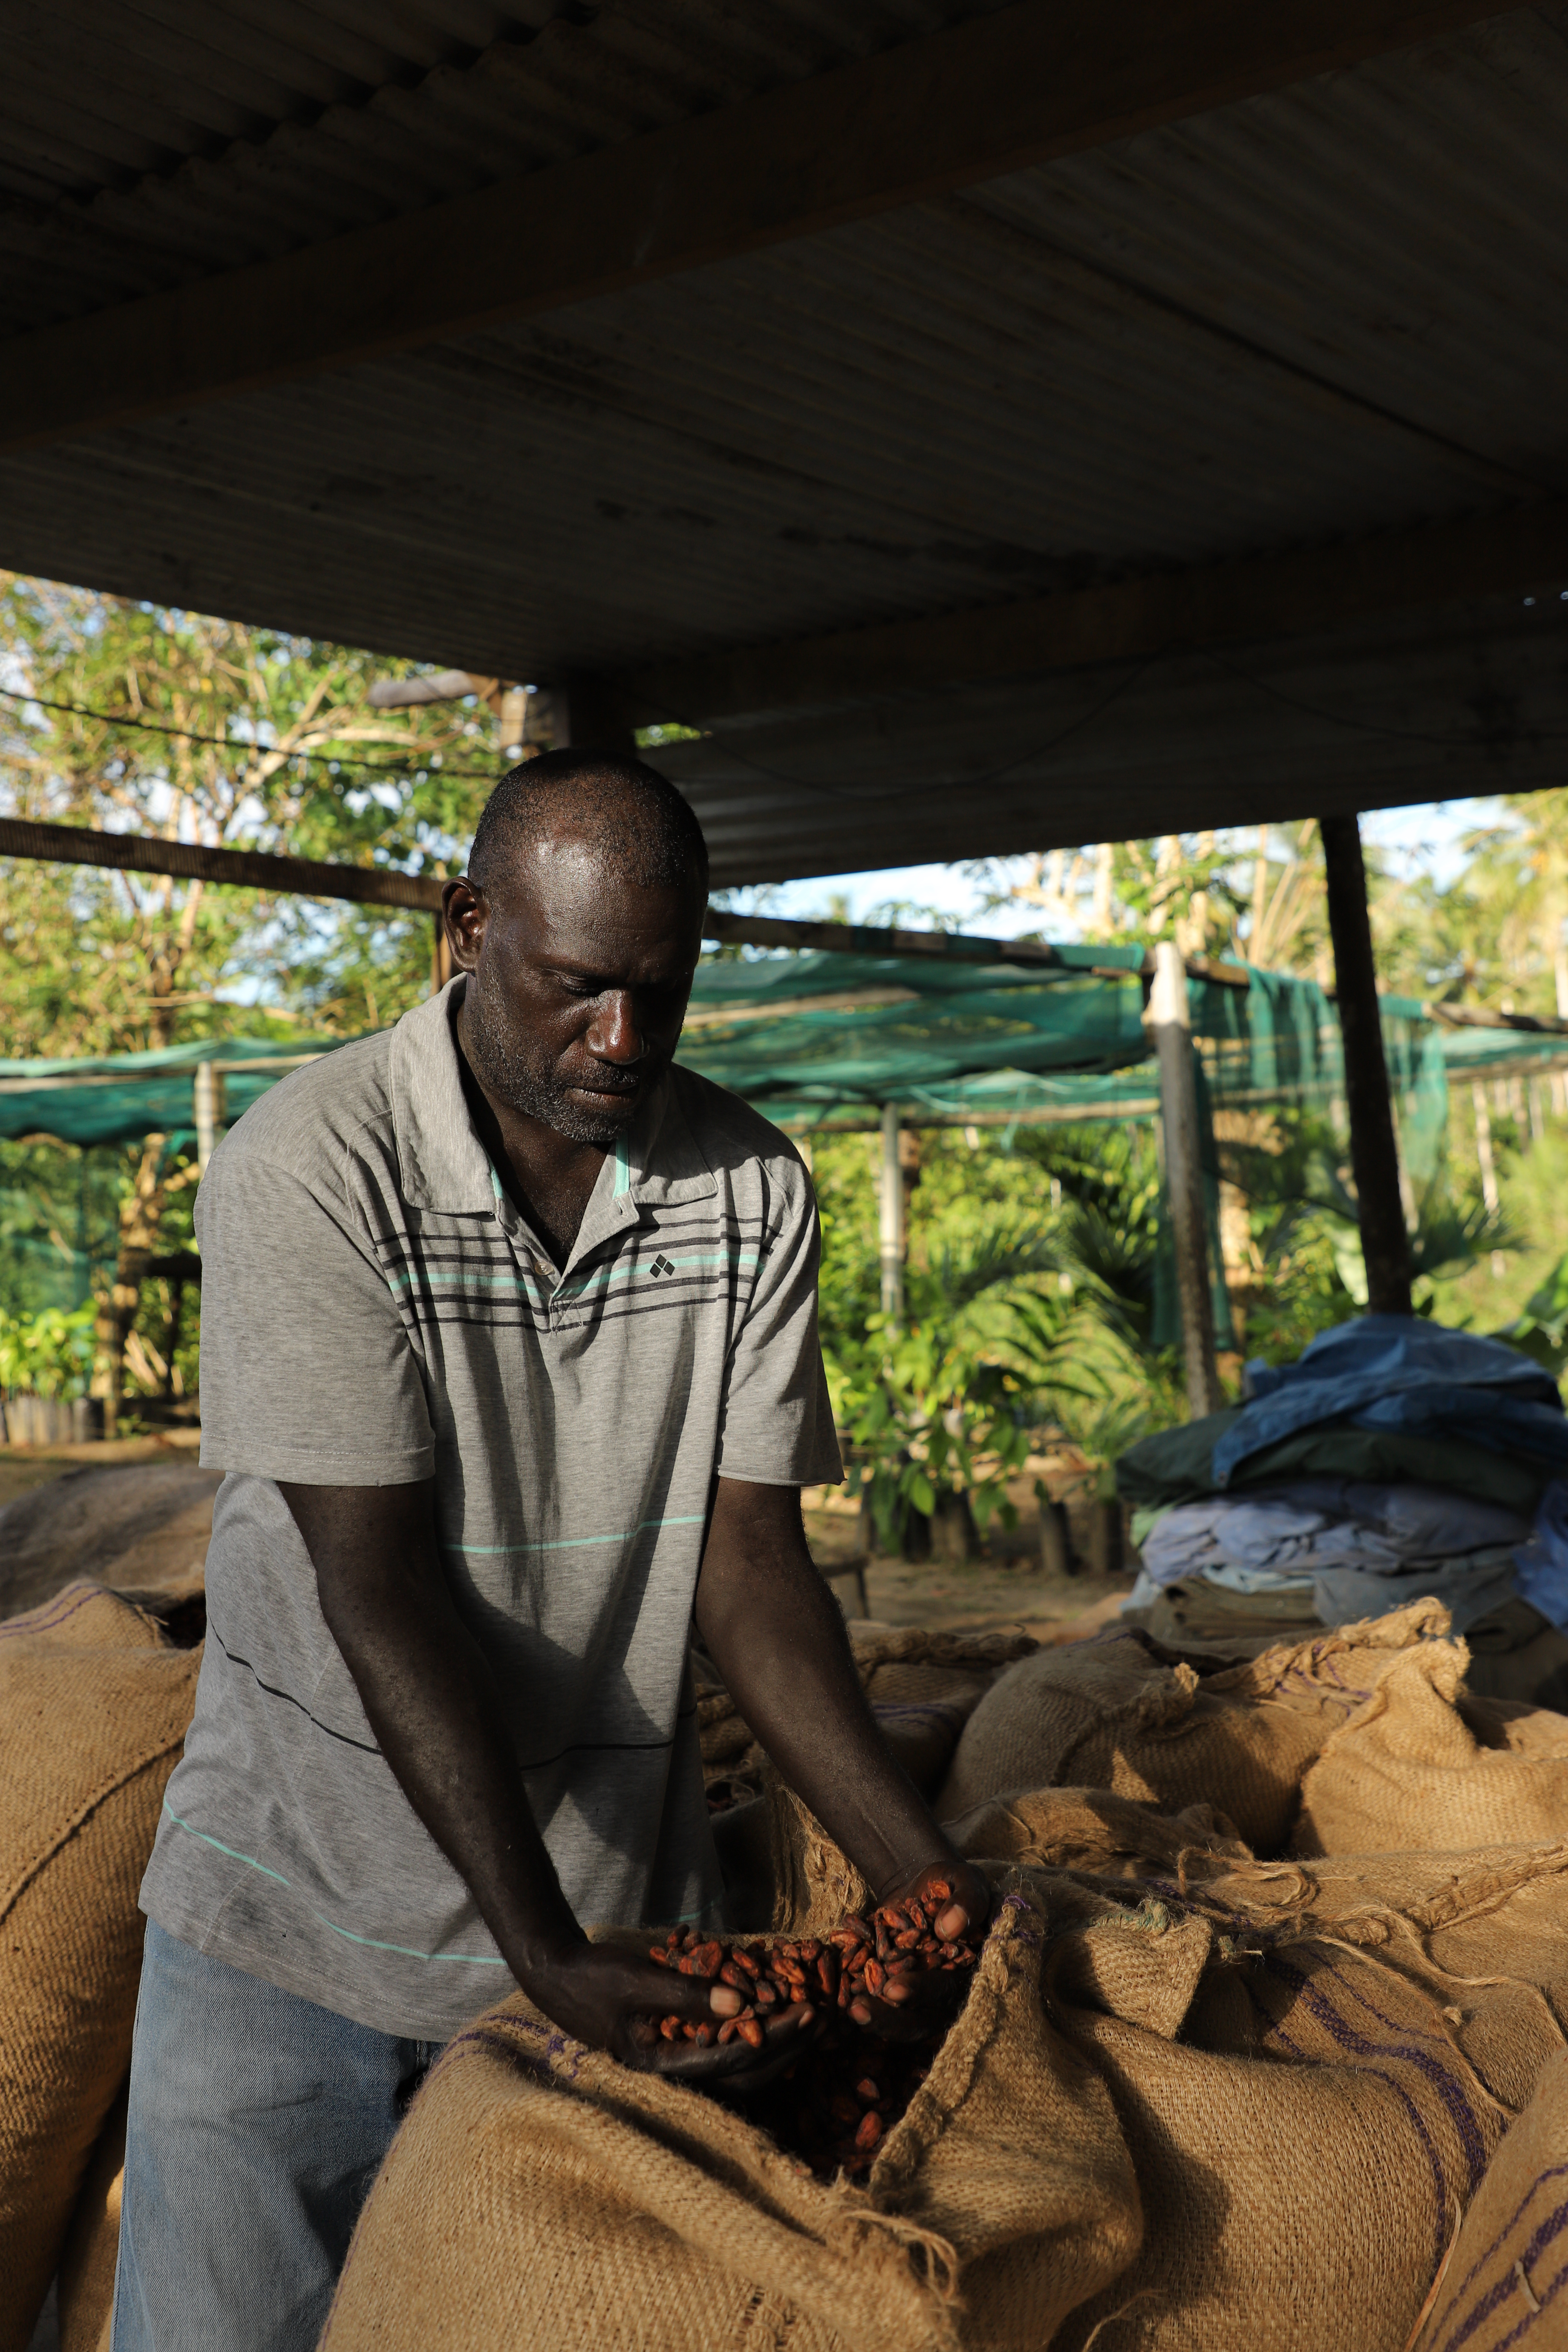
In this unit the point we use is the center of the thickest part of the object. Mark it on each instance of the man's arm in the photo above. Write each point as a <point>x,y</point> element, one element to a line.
<point>775,1634</point>
<point>433,1704</point>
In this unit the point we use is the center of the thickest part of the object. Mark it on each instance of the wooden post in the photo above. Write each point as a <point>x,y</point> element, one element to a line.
<point>1172,1035</point>
<point>890,1218</point>
<point>208,1113</point>
<point>1374,1151</point>
<point>596,719</point>
<point>441,965</point>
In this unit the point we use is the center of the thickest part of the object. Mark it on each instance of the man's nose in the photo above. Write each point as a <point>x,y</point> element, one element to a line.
<point>615,1035</point>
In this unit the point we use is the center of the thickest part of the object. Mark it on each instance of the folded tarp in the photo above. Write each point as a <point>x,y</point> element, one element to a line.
<point>1176,1466</point>
<point>1401,1373</point>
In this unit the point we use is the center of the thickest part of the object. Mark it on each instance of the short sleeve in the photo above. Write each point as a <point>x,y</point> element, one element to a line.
<point>307,1373</point>
<point>776,1423</point>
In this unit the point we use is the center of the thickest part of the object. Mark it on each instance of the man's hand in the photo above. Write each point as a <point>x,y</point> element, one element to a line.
<point>775,1634</point>
<point>432,1702</point>
<point>907,2011</point>
<point>613,1999</point>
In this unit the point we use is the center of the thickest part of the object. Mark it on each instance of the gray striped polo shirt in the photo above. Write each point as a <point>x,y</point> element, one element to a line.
<point>375,1310</point>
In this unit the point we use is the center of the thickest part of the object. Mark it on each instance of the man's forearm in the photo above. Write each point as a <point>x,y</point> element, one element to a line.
<point>432,1702</point>
<point>776,1636</point>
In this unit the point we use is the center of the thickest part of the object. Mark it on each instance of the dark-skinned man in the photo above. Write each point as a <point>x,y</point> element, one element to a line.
<point>509,1350</point>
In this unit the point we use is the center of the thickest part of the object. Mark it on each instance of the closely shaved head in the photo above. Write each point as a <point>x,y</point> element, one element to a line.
<point>629,815</point>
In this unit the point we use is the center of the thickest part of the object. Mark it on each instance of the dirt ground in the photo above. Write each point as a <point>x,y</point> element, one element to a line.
<point>23,1467</point>
<point>1006,1586</point>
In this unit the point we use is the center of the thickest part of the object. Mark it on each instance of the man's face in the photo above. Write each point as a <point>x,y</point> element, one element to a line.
<point>577,988</point>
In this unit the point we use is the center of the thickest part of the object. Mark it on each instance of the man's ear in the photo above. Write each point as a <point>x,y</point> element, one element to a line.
<point>465,912</point>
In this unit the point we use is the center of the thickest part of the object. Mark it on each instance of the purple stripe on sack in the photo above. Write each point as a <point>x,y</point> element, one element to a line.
<point>1496,2296</point>
<point>1418,2121</point>
<point>38,1621</point>
<point>1556,2172</point>
<point>1460,2112</point>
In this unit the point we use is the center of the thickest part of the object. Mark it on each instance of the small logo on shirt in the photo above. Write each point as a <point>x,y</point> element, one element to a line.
<point>661,1264</point>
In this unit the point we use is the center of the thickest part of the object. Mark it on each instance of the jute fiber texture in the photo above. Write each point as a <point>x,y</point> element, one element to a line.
<point>92,2244</point>
<point>1422,1766</point>
<point>1118,1713</point>
<point>1314,2064</point>
<point>95,1707</point>
<point>922,1686</point>
<point>783,1876</point>
<point>1303,2149</point>
<point>1091,1830</point>
<point>541,2197</point>
<point>1507,2271</point>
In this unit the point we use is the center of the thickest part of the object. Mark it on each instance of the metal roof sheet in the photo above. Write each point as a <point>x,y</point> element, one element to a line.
<point>1333,309</point>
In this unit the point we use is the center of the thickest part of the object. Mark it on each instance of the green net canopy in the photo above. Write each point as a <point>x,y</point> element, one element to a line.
<point>121,1097</point>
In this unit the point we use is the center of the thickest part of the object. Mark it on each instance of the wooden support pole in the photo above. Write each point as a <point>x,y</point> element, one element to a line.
<point>1172,1028</point>
<point>1374,1150</point>
<point>596,717</point>
<point>891,1219</point>
<point>209,1112</point>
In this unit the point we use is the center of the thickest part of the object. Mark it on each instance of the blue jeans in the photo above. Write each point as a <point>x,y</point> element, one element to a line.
<point>258,2124</point>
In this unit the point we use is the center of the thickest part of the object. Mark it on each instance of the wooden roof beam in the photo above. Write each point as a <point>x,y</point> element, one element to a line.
<point>1022,86</point>
<point>1261,598</point>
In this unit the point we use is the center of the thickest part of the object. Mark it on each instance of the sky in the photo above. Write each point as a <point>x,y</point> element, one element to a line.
<point>1426,836</point>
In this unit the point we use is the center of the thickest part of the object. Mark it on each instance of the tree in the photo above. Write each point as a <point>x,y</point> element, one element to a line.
<point>117,714</point>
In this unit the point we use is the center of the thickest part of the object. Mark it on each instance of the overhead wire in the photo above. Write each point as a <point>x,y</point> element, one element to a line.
<point>231,743</point>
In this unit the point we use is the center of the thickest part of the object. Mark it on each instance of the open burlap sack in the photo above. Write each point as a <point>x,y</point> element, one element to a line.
<point>1091,1830</point>
<point>541,2196</point>
<point>1506,2273</point>
<point>1119,1713</point>
<point>1310,2084</point>
<point>95,1706</point>
<point>923,1687</point>
<point>1423,1764</point>
<point>92,2244</point>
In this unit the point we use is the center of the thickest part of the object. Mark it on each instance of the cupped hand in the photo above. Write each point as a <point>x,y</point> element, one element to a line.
<point>613,2000</point>
<point>906,2010</point>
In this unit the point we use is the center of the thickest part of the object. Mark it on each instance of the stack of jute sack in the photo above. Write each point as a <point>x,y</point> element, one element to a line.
<point>1265,2047</point>
<point>95,1701</point>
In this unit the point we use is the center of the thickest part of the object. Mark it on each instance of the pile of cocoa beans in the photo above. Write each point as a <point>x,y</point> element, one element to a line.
<point>834,2102</point>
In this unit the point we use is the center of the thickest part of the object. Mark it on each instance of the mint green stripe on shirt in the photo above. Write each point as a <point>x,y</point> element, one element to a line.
<point>403,1951</point>
<point>575,1543</point>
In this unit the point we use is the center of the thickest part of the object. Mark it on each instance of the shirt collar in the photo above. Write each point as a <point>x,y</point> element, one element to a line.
<point>446,1168</point>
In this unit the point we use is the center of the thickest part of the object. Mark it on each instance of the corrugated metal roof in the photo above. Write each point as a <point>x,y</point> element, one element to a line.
<point>1408,710</point>
<point>1333,309</point>
<point>147,146</point>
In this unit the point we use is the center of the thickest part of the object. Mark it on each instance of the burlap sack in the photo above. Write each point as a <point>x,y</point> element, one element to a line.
<point>783,1874</point>
<point>1311,2086</point>
<point>1089,1830</point>
<point>141,1527</point>
<point>923,1687</point>
<point>541,2196</point>
<point>92,2244</point>
<point>1424,1765</point>
<point>1506,2273</point>
<point>95,1707</point>
<point>1118,1713</point>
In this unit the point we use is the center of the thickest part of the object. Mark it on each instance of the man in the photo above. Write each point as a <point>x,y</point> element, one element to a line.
<point>509,1352</point>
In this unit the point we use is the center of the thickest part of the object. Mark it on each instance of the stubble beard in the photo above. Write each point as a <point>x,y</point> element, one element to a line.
<point>500,1060</point>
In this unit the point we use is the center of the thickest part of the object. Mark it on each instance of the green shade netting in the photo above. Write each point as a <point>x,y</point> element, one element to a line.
<point>121,1097</point>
